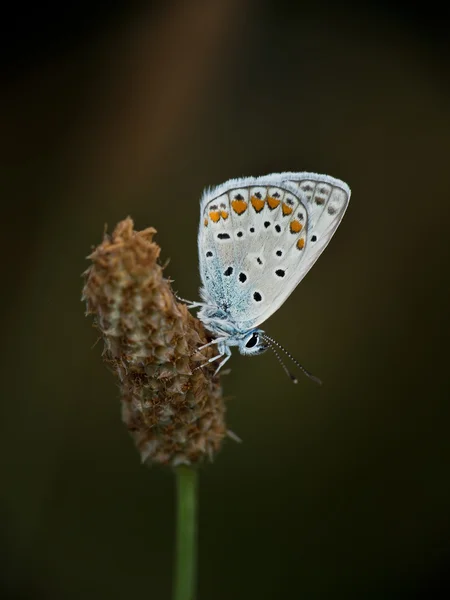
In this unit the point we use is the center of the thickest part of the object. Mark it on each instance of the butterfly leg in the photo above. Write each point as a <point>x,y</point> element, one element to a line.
<point>227,357</point>
<point>224,351</point>
<point>208,361</point>
<point>191,304</point>
<point>215,341</point>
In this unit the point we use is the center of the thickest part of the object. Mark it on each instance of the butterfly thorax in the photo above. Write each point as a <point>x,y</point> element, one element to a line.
<point>217,321</point>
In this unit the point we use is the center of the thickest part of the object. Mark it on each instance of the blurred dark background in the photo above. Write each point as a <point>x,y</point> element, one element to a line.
<point>337,492</point>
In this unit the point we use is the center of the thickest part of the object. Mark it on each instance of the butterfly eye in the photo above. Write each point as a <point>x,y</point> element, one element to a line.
<point>252,341</point>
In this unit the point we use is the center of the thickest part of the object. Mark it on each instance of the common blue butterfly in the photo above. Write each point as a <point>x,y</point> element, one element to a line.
<point>258,237</point>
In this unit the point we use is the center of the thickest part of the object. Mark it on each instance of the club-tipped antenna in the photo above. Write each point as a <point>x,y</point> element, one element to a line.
<point>288,373</point>
<point>273,342</point>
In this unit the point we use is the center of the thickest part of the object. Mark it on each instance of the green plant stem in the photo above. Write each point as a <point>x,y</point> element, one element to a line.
<point>186,535</point>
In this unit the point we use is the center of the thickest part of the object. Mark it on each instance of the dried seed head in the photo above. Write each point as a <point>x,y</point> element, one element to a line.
<point>175,413</point>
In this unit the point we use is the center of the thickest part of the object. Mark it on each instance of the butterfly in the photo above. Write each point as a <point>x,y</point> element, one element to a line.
<point>258,237</point>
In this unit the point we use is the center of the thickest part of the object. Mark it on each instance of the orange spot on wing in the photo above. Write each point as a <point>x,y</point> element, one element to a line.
<point>257,203</point>
<point>296,226</point>
<point>286,209</point>
<point>224,214</point>
<point>205,222</point>
<point>301,243</point>
<point>214,215</point>
<point>239,206</point>
<point>272,202</point>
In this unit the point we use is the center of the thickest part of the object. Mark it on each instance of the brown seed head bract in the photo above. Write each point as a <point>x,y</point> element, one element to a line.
<point>176,414</point>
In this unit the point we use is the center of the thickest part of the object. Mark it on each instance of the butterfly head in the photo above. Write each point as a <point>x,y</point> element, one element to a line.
<point>253,343</point>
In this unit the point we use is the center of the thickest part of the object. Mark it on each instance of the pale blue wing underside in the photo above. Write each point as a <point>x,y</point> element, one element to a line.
<point>258,237</point>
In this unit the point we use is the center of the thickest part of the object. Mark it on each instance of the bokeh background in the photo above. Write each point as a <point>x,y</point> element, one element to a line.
<point>336,492</point>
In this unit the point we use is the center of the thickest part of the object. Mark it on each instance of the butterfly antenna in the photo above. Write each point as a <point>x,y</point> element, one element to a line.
<point>289,374</point>
<point>295,361</point>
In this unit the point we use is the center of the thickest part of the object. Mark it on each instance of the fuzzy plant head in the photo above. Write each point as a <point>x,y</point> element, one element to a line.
<point>174,410</point>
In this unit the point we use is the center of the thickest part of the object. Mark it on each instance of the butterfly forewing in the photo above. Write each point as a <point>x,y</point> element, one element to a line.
<point>327,200</point>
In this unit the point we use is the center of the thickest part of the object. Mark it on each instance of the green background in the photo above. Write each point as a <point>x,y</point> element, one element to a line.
<point>336,492</point>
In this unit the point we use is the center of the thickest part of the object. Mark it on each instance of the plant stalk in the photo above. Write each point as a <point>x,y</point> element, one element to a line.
<point>186,533</point>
